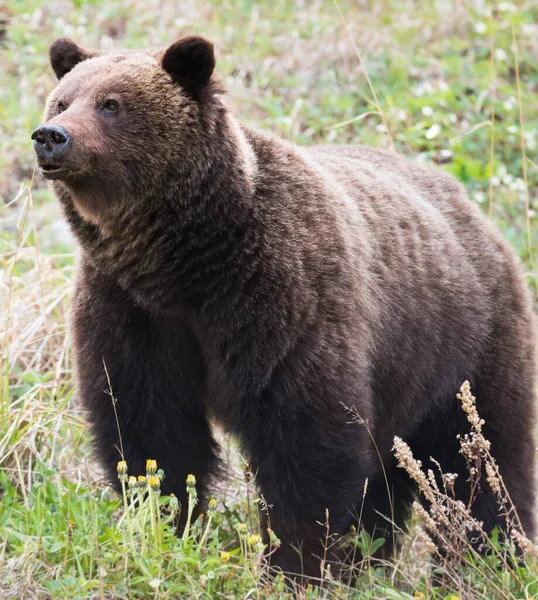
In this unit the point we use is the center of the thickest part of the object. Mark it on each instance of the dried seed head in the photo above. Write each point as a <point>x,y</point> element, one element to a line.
<point>425,518</point>
<point>449,479</point>
<point>413,467</point>
<point>493,478</point>
<point>524,543</point>
<point>468,402</point>
<point>425,541</point>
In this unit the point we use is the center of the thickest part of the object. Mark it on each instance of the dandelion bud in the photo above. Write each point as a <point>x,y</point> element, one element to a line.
<point>151,467</point>
<point>173,503</point>
<point>191,481</point>
<point>247,472</point>
<point>254,539</point>
<point>212,506</point>
<point>160,474</point>
<point>122,467</point>
<point>273,540</point>
<point>242,529</point>
<point>70,528</point>
<point>224,557</point>
<point>132,482</point>
<point>141,481</point>
<point>154,483</point>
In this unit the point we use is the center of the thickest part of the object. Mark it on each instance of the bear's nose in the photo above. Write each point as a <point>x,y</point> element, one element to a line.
<point>51,142</point>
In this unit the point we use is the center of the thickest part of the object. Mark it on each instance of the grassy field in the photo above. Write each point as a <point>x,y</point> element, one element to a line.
<point>451,82</point>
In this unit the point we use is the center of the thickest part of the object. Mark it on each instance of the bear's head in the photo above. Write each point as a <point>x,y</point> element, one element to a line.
<point>118,125</point>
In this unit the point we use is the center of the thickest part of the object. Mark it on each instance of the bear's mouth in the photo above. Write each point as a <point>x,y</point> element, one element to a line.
<point>51,171</point>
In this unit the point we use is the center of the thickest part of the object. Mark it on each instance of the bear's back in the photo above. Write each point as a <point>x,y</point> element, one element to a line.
<point>437,270</point>
<point>418,216</point>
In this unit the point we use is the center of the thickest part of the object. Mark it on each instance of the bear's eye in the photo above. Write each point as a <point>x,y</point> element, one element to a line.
<point>111,106</point>
<point>61,106</point>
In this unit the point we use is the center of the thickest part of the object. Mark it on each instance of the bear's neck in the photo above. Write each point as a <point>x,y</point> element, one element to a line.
<point>190,247</point>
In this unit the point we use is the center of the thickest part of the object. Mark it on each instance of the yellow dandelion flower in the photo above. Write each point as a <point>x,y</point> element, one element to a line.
<point>254,539</point>
<point>419,595</point>
<point>151,467</point>
<point>224,557</point>
<point>154,483</point>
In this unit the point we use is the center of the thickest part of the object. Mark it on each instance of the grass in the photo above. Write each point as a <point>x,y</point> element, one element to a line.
<point>453,83</point>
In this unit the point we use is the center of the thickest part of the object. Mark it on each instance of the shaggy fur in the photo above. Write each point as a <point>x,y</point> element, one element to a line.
<point>228,275</point>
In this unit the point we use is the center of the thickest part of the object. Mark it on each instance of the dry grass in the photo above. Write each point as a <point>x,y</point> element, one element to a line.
<point>453,535</point>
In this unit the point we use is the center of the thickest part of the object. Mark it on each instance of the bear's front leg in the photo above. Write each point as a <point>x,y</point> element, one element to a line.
<point>311,460</point>
<point>154,370</point>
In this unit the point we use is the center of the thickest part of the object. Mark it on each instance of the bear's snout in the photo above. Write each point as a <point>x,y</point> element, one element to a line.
<point>51,143</point>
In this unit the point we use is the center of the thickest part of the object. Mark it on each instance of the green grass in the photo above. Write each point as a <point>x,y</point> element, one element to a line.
<point>440,72</point>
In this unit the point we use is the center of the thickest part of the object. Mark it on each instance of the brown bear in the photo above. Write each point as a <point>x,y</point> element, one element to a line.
<point>226,275</point>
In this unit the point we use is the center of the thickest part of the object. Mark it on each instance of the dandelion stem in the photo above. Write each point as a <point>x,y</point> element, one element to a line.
<point>152,513</point>
<point>206,531</point>
<point>159,522</point>
<point>141,520</point>
<point>190,509</point>
<point>127,515</point>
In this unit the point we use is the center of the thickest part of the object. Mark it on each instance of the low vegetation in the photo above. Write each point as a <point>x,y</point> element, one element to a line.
<point>454,83</point>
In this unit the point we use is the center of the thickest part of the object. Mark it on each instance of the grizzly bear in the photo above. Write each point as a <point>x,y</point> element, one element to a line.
<point>228,276</point>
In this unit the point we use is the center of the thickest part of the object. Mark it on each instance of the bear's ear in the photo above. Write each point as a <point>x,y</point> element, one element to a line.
<point>190,62</point>
<point>64,54</point>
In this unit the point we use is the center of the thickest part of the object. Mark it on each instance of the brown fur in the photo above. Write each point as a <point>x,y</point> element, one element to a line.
<point>230,275</point>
